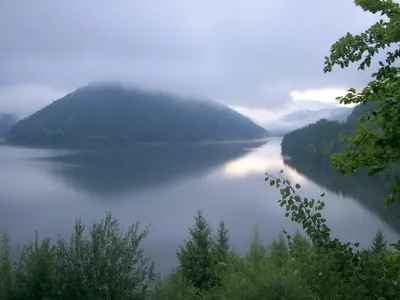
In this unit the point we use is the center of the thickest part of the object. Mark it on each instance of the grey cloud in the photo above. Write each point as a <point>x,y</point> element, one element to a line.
<point>249,53</point>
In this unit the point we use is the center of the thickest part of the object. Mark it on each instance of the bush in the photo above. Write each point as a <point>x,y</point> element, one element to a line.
<point>263,274</point>
<point>106,263</point>
<point>175,287</point>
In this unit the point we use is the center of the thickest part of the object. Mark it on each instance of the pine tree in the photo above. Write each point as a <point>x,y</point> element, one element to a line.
<point>197,255</point>
<point>379,244</point>
<point>222,246</point>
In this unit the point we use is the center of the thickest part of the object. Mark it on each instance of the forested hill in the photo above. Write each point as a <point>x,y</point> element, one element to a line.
<point>6,122</point>
<point>318,141</point>
<point>300,118</point>
<point>115,114</point>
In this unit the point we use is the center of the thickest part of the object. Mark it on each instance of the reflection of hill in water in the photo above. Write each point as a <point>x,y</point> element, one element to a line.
<point>366,190</point>
<point>120,170</point>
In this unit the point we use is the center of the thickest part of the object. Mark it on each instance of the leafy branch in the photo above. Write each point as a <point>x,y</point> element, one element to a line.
<point>350,263</point>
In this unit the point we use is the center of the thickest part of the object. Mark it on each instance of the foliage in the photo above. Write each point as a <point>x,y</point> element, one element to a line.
<point>109,262</point>
<point>203,257</point>
<point>320,140</point>
<point>375,145</point>
<point>112,114</point>
<point>6,271</point>
<point>379,244</point>
<point>313,267</point>
<point>106,263</point>
<point>343,268</point>
<point>261,275</point>
<point>316,143</point>
<point>196,256</point>
<point>35,272</point>
<point>175,287</point>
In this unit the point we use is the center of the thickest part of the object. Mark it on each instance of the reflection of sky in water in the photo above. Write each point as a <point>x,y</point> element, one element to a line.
<point>259,161</point>
<point>347,217</point>
<point>33,196</point>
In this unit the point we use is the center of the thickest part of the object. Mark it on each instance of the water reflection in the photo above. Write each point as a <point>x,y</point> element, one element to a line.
<point>122,170</point>
<point>363,189</point>
<point>259,161</point>
<point>164,186</point>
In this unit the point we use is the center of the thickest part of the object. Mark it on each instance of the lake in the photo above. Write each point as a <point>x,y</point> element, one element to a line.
<point>163,186</point>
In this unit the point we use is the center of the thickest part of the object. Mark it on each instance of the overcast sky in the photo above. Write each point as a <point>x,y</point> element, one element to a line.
<point>259,56</point>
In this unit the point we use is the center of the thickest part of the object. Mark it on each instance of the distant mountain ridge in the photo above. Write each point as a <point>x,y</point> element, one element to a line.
<point>319,140</point>
<point>316,143</point>
<point>6,122</point>
<point>301,118</point>
<point>333,114</point>
<point>111,113</point>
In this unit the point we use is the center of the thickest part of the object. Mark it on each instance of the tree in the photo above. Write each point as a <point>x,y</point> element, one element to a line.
<point>35,270</point>
<point>376,143</point>
<point>340,269</point>
<point>196,256</point>
<point>205,258</point>
<point>106,263</point>
<point>222,246</point>
<point>379,244</point>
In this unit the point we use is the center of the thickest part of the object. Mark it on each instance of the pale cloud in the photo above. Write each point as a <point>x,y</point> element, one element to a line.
<point>308,99</point>
<point>259,115</point>
<point>246,53</point>
<point>327,95</point>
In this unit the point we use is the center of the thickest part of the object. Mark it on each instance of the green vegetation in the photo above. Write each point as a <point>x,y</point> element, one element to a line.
<point>104,263</point>
<point>112,114</point>
<point>320,140</point>
<point>301,118</point>
<point>349,272</point>
<point>363,189</point>
<point>108,263</point>
<point>6,122</point>
<point>317,141</point>
<point>371,137</point>
<point>376,143</point>
<point>315,144</point>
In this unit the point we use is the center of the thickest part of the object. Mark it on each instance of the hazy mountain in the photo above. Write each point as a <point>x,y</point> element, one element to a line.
<point>316,143</point>
<point>335,114</point>
<point>110,113</point>
<point>6,122</point>
<point>302,118</point>
<point>321,139</point>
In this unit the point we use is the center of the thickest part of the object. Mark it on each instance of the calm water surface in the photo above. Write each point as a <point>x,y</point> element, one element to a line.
<point>164,186</point>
